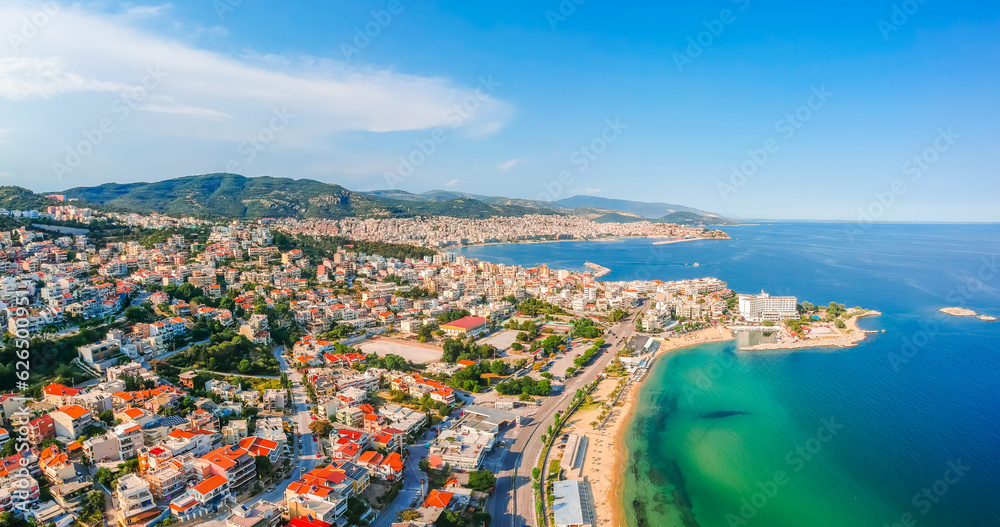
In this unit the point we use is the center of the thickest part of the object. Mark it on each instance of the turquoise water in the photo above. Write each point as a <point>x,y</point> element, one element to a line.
<point>824,437</point>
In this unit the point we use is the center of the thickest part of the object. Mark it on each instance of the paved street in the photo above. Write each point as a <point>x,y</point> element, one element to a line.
<point>513,504</point>
<point>304,461</point>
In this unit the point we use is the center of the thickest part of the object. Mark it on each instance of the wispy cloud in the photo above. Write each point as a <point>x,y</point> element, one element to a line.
<point>510,163</point>
<point>23,78</point>
<point>451,183</point>
<point>590,191</point>
<point>145,11</point>
<point>70,73</point>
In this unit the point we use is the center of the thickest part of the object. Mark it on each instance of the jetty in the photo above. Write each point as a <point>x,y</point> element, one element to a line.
<point>599,270</point>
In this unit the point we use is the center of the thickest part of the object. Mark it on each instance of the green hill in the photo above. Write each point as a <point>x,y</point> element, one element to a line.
<point>235,196</point>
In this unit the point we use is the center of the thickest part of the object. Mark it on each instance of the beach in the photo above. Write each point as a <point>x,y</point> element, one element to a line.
<point>606,455</point>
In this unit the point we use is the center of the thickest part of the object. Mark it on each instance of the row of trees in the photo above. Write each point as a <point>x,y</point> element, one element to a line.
<point>584,359</point>
<point>524,385</point>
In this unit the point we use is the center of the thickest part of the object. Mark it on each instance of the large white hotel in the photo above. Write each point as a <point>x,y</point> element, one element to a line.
<point>764,307</point>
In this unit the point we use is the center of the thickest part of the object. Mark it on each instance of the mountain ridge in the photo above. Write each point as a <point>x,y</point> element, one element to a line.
<point>226,195</point>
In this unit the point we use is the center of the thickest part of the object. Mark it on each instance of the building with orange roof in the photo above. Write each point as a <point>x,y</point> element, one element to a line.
<point>391,468</point>
<point>258,446</point>
<point>465,326</point>
<point>71,420</point>
<point>233,463</point>
<point>58,394</point>
<point>41,429</point>
<point>438,499</point>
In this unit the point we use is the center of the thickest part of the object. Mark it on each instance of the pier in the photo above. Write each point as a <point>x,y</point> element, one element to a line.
<point>599,270</point>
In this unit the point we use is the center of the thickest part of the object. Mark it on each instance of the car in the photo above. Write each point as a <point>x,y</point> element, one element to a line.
<point>318,455</point>
<point>313,417</point>
<point>314,438</point>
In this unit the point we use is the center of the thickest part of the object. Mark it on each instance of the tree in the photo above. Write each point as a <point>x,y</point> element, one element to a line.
<point>321,427</point>
<point>570,371</point>
<point>406,515</point>
<point>482,480</point>
<point>104,477</point>
<point>498,367</point>
<point>450,518</point>
<point>107,417</point>
<point>265,470</point>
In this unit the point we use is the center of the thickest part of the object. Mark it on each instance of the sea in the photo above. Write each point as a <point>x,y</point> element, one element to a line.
<point>902,430</point>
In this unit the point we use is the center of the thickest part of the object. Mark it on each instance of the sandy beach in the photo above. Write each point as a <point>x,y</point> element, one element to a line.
<point>605,455</point>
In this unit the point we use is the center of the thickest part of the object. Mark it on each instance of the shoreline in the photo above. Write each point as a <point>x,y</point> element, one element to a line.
<point>854,335</point>
<point>617,513</point>
<point>603,240</point>
<point>617,508</point>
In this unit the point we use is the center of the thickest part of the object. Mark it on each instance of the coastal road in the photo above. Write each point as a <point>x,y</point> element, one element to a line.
<point>513,504</point>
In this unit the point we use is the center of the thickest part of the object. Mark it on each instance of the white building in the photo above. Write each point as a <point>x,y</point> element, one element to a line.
<point>764,307</point>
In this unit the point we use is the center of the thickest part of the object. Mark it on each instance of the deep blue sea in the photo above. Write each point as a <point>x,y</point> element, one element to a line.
<point>901,430</point>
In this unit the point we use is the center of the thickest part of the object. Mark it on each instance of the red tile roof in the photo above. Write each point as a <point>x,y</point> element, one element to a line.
<point>437,498</point>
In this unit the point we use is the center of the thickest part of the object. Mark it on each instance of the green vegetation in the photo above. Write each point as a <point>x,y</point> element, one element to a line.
<point>318,249</point>
<point>585,328</point>
<point>228,352</point>
<point>524,385</point>
<point>582,360</point>
<point>235,196</point>
<point>482,480</point>
<point>533,307</point>
<point>456,350</point>
<point>451,316</point>
<point>50,360</point>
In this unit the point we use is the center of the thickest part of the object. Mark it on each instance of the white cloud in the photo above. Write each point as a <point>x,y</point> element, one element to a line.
<point>145,11</point>
<point>23,78</point>
<point>590,191</point>
<point>510,163</point>
<point>217,96</point>
<point>451,183</point>
<point>180,109</point>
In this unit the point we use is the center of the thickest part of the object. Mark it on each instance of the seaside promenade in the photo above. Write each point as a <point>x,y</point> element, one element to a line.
<point>513,504</point>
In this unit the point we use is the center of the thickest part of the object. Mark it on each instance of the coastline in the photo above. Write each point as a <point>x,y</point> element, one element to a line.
<point>853,336</point>
<point>614,509</point>
<point>668,242</point>
<point>605,240</point>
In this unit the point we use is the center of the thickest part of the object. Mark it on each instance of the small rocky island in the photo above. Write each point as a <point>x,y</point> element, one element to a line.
<point>963,312</point>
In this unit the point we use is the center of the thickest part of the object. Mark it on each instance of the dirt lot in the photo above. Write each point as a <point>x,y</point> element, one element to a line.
<point>419,353</point>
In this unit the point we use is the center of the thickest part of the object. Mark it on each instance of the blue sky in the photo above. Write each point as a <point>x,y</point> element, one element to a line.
<point>784,109</point>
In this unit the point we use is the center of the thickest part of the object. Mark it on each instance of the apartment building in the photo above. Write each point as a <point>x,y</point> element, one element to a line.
<point>233,463</point>
<point>71,420</point>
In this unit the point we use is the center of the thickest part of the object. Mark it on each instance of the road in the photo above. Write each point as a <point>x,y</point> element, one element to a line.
<point>304,460</point>
<point>413,488</point>
<point>513,504</point>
